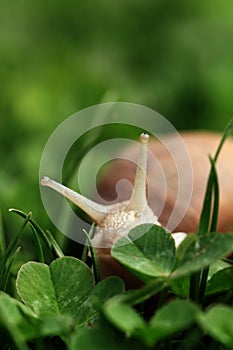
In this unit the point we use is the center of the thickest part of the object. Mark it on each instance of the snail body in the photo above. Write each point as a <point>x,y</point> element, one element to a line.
<point>116,220</point>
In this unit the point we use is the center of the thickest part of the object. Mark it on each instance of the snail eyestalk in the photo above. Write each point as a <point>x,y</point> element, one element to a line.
<point>96,211</point>
<point>115,220</point>
<point>138,200</point>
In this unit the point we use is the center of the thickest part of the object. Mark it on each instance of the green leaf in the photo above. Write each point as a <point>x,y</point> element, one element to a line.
<point>124,317</point>
<point>217,266</point>
<point>18,321</point>
<point>102,338</point>
<point>60,325</point>
<point>59,288</point>
<point>181,286</point>
<point>174,317</point>
<point>218,323</point>
<point>148,251</point>
<point>104,290</point>
<point>184,245</point>
<point>93,339</point>
<point>206,250</point>
<point>35,287</point>
<point>65,288</point>
<point>221,281</point>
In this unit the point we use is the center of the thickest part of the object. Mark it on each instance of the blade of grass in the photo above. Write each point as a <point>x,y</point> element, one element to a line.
<point>227,260</point>
<point>39,249</point>
<point>213,226</point>
<point>46,236</point>
<point>8,268</point>
<point>209,216</point>
<point>208,221</point>
<point>93,255</point>
<point>228,130</point>
<point>7,255</point>
<point>56,248</point>
<point>2,236</point>
<point>204,223</point>
<point>214,219</point>
<point>13,245</point>
<point>194,286</point>
<point>85,249</point>
<point>38,229</point>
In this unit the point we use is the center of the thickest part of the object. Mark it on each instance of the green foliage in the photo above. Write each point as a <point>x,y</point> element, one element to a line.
<point>148,251</point>
<point>7,257</point>
<point>153,254</point>
<point>185,301</point>
<point>218,322</point>
<point>17,320</point>
<point>41,287</point>
<point>161,326</point>
<point>57,58</point>
<point>102,337</point>
<point>57,300</point>
<point>203,252</point>
<point>62,300</point>
<point>220,282</point>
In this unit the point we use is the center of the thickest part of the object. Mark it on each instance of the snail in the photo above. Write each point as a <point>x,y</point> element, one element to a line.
<point>116,220</point>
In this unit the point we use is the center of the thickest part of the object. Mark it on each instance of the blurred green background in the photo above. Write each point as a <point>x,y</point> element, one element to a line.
<point>58,57</point>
